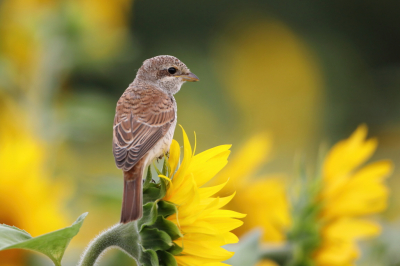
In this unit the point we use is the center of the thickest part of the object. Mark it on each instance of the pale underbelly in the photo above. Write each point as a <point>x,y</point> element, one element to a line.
<point>161,147</point>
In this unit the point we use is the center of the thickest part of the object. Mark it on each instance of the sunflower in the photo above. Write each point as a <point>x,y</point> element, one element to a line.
<point>204,225</point>
<point>349,193</point>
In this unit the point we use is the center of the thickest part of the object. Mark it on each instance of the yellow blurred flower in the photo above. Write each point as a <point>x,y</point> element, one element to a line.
<point>266,263</point>
<point>285,82</point>
<point>349,193</point>
<point>28,198</point>
<point>265,203</point>
<point>43,39</point>
<point>263,199</point>
<point>205,227</point>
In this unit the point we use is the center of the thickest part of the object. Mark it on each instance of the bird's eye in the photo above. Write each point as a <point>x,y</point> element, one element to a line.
<point>172,70</point>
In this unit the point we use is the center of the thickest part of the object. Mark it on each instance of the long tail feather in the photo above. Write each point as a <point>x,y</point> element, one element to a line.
<point>132,202</point>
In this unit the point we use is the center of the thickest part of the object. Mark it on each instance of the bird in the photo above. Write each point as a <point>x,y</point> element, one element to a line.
<point>144,124</point>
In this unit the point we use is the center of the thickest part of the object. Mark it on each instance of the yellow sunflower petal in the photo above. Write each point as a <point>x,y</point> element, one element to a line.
<point>174,155</point>
<point>339,253</point>
<point>205,250</point>
<point>210,169</point>
<point>230,238</point>
<point>204,226</point>
<point>203,157</point>
<point>187,157</point>
<point>348,193</point>
<point>209,191</point>
<point>216,264</point>
<point>348,154</point>
<point>254,152</point>
<point>350,229</point>
<point>225,213</point>
<point>191,260</point>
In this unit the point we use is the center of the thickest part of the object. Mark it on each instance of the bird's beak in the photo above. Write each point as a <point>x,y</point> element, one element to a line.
<point>189,77</point>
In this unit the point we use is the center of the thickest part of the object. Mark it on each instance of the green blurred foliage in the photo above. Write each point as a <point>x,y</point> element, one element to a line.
<point>350,49</point>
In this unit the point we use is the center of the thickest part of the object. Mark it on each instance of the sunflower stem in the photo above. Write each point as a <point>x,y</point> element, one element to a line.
<point>280,254</point>
<point>122,236</point>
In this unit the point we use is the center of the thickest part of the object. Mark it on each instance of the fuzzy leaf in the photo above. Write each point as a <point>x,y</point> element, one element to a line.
<point>52,244</point>
<point>155,239</point>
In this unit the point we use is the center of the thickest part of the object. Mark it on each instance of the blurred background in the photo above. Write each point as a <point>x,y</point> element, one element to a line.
<point>292,73</point>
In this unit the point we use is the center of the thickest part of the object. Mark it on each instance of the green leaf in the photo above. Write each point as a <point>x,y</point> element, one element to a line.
<point>166,259</point>
<point>155,239</point>
<point>167,226</point>
<point>166,208</point>
<point>247,252</point>
<point>51,244</point>
<point>149,215</point>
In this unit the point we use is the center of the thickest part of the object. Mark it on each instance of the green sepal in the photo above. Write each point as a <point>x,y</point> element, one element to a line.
<point>155,239</point>
<point>154,192</point>
<point>148,258</point>
<point>166,208</point>
<point>52,244</point>
<point>151,193</point>
<point>149,215</point>
<point>163,188</point>
<point>166,168</point>
<point>157,170</point>
<point>148,179</point>
<point>167,226</point>
<point>148,240</point>
<point>166,259</point>
<point>175,249</point>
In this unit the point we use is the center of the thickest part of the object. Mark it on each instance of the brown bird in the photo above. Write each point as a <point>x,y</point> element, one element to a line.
<point>144,124</point>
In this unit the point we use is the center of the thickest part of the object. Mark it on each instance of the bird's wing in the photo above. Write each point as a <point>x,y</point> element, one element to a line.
<point>143,117</point>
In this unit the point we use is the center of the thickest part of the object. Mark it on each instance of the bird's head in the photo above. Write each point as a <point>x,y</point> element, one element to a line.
<point>166,72</point>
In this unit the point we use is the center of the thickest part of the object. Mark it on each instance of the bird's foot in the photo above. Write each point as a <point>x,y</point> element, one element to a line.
<point>152,181</point>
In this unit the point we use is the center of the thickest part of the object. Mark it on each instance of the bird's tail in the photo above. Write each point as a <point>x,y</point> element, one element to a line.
<point>132,202</point>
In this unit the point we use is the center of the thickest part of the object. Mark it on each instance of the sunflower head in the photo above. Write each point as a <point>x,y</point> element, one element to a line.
<point>183,223</point>
<point>331,214</point>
